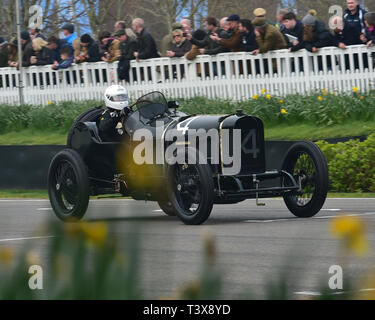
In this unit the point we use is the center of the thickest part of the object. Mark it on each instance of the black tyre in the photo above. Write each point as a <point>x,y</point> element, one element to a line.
<point>191,192</point>
<point>306,162</point>
<point>167,207</point>
<point>91,115</point>
<point>68,185</point>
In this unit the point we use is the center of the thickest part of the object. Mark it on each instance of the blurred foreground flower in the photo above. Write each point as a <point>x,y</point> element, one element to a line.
<point>32,258</point>
<point>352,231</point>
<point>6,256</point>
<point>95,232</point>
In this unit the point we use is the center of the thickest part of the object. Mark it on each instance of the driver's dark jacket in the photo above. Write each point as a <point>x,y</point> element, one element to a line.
<point>107,125</point>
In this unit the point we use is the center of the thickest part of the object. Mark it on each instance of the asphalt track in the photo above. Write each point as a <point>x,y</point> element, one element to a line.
<point>254,244</point>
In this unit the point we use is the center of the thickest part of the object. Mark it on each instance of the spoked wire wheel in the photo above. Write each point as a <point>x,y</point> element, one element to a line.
<point>68,185</point>
<point>187,188</point>
<point>191,191</point>
<point>307,164</point>
<point>305,174</point>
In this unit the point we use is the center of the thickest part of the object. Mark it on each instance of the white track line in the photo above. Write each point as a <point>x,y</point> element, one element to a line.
<point>313,293</point>
<point>299,219</point>
<point>26,238</point>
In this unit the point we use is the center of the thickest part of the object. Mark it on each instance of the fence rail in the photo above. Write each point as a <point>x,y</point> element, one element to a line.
<point>236,76</point>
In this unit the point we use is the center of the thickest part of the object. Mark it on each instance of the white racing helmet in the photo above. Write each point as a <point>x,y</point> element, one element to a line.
<point>116,97</point>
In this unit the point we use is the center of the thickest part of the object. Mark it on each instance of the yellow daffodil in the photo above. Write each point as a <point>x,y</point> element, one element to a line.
<point>320,98</point>
<point>355,89</point>
<point>96,232</point>
<point>264,91</point>
<point>361,97</point>
<point>283,111</point>
<point>49,102</point>
<point>281,101</point>
<point>324,90</point>
<point>333,93</point>
<point>6,256</point>
<point>352,231</point>
<point>268,96</point>
<point>255,97</point>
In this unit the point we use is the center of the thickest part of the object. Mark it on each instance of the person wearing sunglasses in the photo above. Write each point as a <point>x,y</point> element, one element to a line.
<point>180,45</point>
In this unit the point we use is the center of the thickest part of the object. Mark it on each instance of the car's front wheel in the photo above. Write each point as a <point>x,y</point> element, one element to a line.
<point>68,185</point>
<point>191,192</point>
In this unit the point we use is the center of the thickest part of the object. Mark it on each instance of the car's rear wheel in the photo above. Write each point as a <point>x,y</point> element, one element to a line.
<point>191,191</point>
<point>68,185</point>
<point>167,207</point>
<point>91,115</point>
<point>306,162</point>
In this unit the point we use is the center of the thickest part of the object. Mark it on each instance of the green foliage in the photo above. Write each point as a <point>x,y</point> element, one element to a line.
<point>351,165</point>
<point>324,109</point>
<point>53,117</point>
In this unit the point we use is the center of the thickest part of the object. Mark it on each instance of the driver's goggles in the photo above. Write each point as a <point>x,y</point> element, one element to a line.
<point>120,98</point>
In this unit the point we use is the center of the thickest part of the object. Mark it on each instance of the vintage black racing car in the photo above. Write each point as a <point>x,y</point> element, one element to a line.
<point>187,189</point>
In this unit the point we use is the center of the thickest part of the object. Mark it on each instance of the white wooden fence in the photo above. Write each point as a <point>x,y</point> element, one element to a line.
<point>236,76</point>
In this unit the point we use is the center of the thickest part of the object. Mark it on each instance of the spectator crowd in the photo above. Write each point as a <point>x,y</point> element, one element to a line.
<point>229,34</point>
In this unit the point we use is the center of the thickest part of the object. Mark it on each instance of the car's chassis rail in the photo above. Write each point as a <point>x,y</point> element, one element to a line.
<point>257,191</point>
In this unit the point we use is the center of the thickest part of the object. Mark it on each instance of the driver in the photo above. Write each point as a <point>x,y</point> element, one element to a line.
<point>110,124</point>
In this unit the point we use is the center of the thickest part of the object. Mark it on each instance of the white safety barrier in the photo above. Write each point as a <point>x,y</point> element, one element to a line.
<point>235,76</point>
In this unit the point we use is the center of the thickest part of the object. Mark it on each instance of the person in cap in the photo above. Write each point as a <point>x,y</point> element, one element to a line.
<point>27,49</point>
<point>68,30</point>
<point>370,28</point>
<point>4,52</point>
<point>268,37</point>
<point>234,43</point>
<point>167,41</point>
<point>89,50</point>
<point>315,34</point>
<point>127,48</point>
<point>259,13</point>
<point>109,47</point>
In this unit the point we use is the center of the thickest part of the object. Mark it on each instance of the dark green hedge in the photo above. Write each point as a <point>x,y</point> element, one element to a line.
<point>351,165</point>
